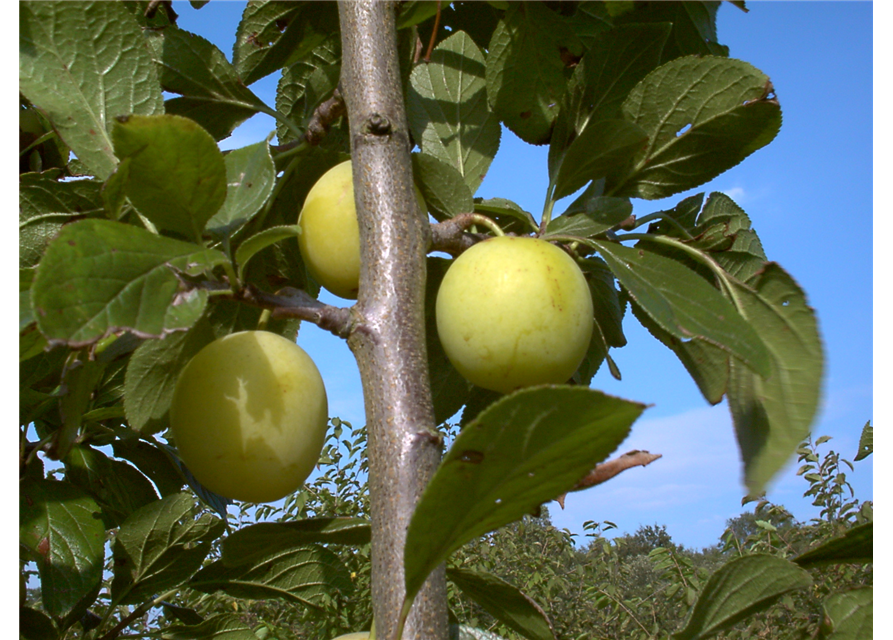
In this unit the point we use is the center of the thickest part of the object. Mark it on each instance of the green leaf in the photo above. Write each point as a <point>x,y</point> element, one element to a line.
<point>851,614</point>
<point>307,84</point>
<point>853,546</point>
<point>526,70</point>
<point>442,186</point>
<point>45,204</point>
<point>160,546</point>
<point>152,374</point>
<point>525,449</point>
<point>250,177</point>
<point>36,625</point>
<point>60,526</point>
<point>507,214</point>
<point>504,602</point>
<point>707,364</point>
<point>447,112</point>
<point>614,63</point>
<point>153,462</point>
<point>249,544</point>
<point>702,116</point>
<point>684,304</point>
<point>81,81</point>
<point>739,588</point>
<point>694,26</point>
<point>596,152</point>
<point>261,241</point>
<point>300,574</point>
<point>177,175</point>
<point>590,215</point>
<point>273,35</point>
<point>773,414</point>
<point>608,309</point>
<point>212,94</point>
<point>224,626</point>
<point>866,442</point>
<point>118,488</point>
<point>100,276</point>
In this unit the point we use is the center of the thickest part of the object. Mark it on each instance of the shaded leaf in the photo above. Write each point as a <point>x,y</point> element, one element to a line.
<point>99,276</point>
<point>118,488</point>
<point>224,626</point>
<point>447,112</point>
<point>36,625</point>
<point>853,546</point>
<point>307,84</point>
<point>525,449</point>
<point>177,175</point>
<point>61,527</point>
<point>772,415</point>
<point>525,70</point>
<point>80,81</point>
<point>211,92</point>
<point>614,63</point>
<point>152,374</point>
<point>45,204</point>
<point>740,588</point>
<point>160,546</point>
<point>152,462</point>
<point>250,177</point>
<point>702,116</point>
<point>504,602</point>
<point>694,26</point>
<point>300,574</point>
<point>261,241</point>
<point>684,304</point>
<point>596,152</point>
<point>851,614</point>
<point>272,35</point>
<point>442,186</point>
<point>251,543</point>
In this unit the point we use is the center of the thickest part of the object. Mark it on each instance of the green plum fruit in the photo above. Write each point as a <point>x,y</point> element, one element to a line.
<point>513,312</point>
<point>249,416</point>
<point>330,234</point>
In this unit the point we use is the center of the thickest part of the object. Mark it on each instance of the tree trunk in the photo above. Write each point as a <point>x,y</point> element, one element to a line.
<point>389,340</point>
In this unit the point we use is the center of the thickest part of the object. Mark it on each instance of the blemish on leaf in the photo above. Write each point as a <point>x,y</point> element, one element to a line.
<point>473,457</point>
<point>525,114</point>
<point>43,547</point>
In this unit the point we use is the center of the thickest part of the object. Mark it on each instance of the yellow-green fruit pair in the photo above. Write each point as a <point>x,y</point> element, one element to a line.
<point>249,416</point>
<point>330,233</point>
<point>514,312</point>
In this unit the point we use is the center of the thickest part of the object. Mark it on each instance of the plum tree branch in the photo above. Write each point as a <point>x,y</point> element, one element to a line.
<point>450,236</point>
<point>296,303</point>
<point>404,446</point>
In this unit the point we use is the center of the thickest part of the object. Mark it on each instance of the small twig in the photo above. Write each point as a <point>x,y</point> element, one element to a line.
<point>450,236</point>
<point>607,470</point>
<point>433,34</point>
<point>295,303</point>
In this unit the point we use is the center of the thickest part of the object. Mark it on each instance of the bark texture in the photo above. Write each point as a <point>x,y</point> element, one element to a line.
<point>388,334</point>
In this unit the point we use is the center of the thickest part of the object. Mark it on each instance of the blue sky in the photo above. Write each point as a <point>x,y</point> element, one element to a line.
<point>809,195</point>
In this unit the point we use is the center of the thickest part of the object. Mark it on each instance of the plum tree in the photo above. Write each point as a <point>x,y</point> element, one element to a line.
<point>513,312</point>
<point>330,233</point>
<point>249,416</point>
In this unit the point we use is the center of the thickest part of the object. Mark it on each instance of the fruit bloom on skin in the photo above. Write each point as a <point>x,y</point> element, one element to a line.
<point>514,312</point>
<point>330,233</point>
<point>249,416</point>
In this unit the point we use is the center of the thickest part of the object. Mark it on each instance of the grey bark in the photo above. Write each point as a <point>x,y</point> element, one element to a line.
<point>388,336</point>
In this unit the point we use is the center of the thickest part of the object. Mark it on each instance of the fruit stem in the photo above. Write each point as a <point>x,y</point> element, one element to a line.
<point>547,209</point>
